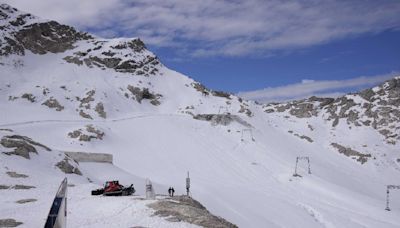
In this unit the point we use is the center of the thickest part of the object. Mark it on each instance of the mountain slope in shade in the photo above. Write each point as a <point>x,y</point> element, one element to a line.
<point>72,91</point>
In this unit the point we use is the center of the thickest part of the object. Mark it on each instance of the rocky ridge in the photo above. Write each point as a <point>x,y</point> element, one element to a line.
<point>24,32</point>
<point>378,108</point>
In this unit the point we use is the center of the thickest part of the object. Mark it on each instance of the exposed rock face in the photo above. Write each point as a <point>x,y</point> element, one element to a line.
<point>221,119</point>
<point>127,56</point>
<point>27,32</point>
<point>100,110</point>
<point>144,93</point>
<point>186,209</point>
<point>22,145</point>
<point>39,38</point>
<point>91,133</point>
<point>85,115</point>
<point>201,88</point>
<point>378,108</point>
<point>85,102</point>
<point>247,111</point>
<point>49,37</point>
<point>303,110</point>
<point>302,136</point>
<point>221,94</point>
<point>29,97</point>
<point>362,158</point>
<point>53,103</point>
<point>66,166</point>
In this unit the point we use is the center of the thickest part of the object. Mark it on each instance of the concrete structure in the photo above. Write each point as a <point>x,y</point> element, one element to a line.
<point>90,157</point>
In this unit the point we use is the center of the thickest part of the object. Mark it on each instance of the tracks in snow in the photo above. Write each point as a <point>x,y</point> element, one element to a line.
<point>139,116</point>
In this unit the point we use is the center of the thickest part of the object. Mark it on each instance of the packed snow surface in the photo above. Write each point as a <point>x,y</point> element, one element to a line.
<point>241,172</point>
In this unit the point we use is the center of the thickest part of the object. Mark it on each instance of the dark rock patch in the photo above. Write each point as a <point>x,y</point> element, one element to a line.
<point>100,110</point>
<point>85,115</point>
<point>9,223</point>
<point>67,168</point>
<point>136,45</point>
<point>2,187</point>
<point>6,129</point>
<point>53,103</point>
<point>23,201</point>
<point>41,38</point>
<point>16,175</point>
<point>22,145</point>
<point>144,94</point>
<point>303,110</point>
<point>221,119</point>
<point>22,187</point>
<point>362,158</point>
<point>221,94</point>
<point>94,134</point>
<point>245,110</point>
<point>73,59</point>
<point>367,94</point>
<point>29,97</point>
<point>201,88</point>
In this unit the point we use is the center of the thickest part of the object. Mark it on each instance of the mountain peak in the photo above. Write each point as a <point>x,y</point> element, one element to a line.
<point>14,17</point>
<point>21,32</point>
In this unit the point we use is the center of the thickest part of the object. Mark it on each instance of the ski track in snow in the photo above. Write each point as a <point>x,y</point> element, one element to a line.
<point>88,121</point>
<point>316,215</point>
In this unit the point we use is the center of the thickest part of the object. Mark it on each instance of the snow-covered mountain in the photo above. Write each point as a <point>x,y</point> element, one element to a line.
<point>65,90</point>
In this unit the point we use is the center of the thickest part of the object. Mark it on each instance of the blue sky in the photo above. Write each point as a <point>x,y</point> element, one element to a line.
<point>260,48</point>
<point>366,55</point>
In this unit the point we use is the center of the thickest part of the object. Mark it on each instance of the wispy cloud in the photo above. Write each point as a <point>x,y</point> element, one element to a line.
<point>224,27</point>
<point>307,88</point>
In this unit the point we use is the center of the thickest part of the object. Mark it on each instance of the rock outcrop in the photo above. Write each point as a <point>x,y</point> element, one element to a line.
<point>378,108</point>
<point>221,119</point>
<point>21,145</point>
<point>183,208</point>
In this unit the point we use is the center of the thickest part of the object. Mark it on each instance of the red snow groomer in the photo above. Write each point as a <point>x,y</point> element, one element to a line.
<point>113,188</point>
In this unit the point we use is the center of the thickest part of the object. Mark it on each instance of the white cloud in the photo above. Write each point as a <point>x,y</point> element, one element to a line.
<point>223,27</point>
<point>308,88</point>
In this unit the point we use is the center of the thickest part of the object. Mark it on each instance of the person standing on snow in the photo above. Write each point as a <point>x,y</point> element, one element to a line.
<point>170,191</point>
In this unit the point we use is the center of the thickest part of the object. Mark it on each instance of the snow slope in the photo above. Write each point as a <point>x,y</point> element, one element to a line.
<point>240,172</point>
